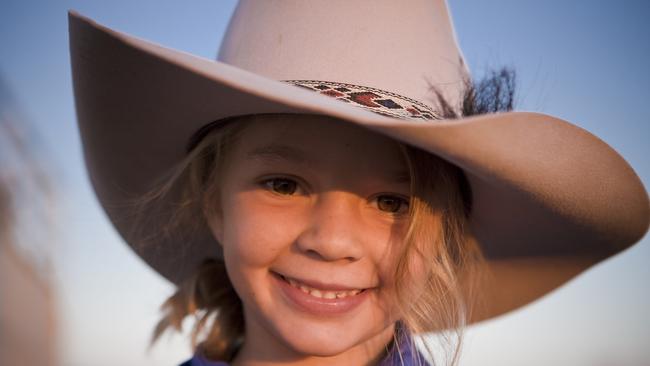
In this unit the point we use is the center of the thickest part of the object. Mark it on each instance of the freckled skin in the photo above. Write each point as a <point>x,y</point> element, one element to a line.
<point>331,229</point>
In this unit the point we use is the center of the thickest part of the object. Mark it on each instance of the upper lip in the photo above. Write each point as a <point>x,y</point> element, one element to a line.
<point>321,285</point>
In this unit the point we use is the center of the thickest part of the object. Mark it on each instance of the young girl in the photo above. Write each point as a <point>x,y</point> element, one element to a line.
<point>321,255</point>
<point>312,196</point>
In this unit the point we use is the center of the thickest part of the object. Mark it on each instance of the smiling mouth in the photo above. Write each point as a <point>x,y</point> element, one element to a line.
<point>321,293</point>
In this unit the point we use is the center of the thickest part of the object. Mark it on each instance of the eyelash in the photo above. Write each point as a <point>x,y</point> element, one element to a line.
<point>268,184</point>
<point>401,210</point>
<point>273,184</point>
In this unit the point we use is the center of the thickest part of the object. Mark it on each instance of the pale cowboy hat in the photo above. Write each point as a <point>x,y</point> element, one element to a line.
<point>541,187</point>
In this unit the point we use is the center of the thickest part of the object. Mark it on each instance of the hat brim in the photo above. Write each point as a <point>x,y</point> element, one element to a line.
<point>541,186</point>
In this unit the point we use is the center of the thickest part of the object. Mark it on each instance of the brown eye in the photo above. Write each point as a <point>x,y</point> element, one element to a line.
<point>392,204</point>
<point>281,186</point>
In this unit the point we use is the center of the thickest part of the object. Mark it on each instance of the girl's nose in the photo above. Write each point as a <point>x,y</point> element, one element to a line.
<point>335,228</point>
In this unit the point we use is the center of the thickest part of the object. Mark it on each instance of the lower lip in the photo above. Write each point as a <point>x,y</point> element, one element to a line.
<point>319,306</point>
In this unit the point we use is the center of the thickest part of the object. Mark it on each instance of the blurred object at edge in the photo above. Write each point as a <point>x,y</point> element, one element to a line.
<point>28,324</point>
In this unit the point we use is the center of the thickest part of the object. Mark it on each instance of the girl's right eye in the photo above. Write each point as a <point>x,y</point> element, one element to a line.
<point>283,186</point>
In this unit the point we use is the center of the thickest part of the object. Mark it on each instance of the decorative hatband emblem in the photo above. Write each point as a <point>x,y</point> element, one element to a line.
<point>375,100</point>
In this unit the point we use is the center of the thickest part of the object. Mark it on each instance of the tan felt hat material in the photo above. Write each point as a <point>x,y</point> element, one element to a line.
<point>403,48</point>
<point>541,186</point>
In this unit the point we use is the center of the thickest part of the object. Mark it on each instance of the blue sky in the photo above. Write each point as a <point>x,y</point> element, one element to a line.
<point>583,61</point>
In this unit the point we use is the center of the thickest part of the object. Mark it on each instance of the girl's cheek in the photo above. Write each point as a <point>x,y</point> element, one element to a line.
<point>258,233</point>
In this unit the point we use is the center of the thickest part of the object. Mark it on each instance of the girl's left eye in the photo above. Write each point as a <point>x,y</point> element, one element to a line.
<point>392,204</point>
<point>283,186</point>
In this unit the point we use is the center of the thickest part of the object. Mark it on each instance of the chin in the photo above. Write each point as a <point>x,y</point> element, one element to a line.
<point>319,345</point>
<point>328,340</point>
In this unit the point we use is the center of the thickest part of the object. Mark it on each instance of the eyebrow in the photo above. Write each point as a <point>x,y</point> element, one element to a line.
<point>401,177</point>
<point>275,153</point>
<point>282,153</point>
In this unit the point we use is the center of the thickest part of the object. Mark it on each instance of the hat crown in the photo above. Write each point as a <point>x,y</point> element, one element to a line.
<point>400,46</point>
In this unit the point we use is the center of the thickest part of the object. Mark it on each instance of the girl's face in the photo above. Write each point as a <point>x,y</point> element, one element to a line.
<point>310,211</point>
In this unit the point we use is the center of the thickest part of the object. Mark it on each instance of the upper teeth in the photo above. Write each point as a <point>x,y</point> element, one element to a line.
<point>321,293</point>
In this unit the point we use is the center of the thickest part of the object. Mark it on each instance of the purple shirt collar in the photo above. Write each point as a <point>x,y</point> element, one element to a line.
<point>401,355</point>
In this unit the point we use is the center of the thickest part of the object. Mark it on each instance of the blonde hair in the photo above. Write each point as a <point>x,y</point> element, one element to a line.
<point>436,236</point>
